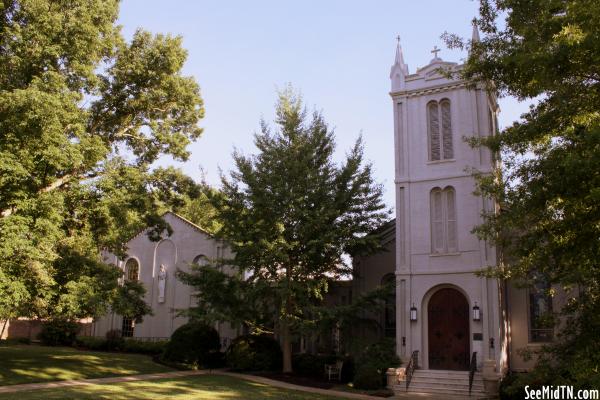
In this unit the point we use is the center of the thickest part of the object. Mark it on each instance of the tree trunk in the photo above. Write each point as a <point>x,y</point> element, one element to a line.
<point>286,347</point>
<point>3,327</point>
<point>285,327</point>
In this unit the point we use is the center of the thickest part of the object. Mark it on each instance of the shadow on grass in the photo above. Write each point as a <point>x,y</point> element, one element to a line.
<point>28,364</point>
<point>211,387</point>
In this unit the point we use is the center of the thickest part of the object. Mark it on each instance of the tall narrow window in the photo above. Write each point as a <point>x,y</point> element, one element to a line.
<point>451,219</point>
<point>127,327</point>
<point>132,273</point>
<point>439,127</point>
<point>540,313</point>
<point>132,270</point>
<point>443,221</point>
<point>437,221</point>
<point>434,131</point>
<point>446,130</point>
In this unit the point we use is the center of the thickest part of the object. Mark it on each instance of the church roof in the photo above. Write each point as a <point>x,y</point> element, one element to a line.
<point>387,232</point>
<point>190,223</point>
<point>185,220</point>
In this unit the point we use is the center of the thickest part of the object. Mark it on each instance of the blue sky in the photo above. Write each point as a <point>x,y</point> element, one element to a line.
<point>337,53</point>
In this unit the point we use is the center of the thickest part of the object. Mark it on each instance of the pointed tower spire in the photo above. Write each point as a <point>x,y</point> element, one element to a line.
<point>399,69</point>
<point>475,35</point>
<point>400,57</point>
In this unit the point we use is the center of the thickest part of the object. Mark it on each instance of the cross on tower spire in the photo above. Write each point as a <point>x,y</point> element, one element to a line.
<point>399,70</point>
<point>435,51</point>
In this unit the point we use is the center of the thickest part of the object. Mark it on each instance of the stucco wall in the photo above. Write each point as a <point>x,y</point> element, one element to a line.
<point>368,274</point>
<point>518,311</point>
<point>173,252</point>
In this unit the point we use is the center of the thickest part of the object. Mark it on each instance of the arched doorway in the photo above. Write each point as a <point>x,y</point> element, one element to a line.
<point>448,326</point>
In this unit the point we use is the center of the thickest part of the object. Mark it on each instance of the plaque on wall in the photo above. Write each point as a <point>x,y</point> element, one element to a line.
<point>478,336</point>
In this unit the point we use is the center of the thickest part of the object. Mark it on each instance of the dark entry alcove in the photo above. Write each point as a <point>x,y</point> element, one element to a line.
<point>448,325</point>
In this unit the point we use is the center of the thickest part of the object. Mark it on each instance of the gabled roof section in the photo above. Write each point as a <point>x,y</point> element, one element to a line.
<point>186,221</point>
<point>432,69</point>
<point>190,223</point>
<point>387,232</point>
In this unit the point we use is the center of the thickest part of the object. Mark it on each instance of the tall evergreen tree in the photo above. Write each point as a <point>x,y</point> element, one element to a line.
<point>73,96</point>
<point>549,186</point>
<point>289,214</point>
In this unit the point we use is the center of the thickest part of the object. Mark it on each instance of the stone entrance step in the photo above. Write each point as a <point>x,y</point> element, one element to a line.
<point>452,383</point>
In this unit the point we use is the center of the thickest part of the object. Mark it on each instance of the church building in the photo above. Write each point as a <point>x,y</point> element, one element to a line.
<point>445,319</point>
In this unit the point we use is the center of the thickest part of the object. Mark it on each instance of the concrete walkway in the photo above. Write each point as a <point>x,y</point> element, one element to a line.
<point>179,374</point>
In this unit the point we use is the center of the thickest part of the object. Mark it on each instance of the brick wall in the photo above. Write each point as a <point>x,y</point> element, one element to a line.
<point>28,328</point>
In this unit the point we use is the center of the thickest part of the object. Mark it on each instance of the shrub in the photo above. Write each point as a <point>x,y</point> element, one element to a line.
<point>59,332</point>
<point>381,355</point>
<point>512,386</point>
<point>128,345</point>
<point>215,360</point>
<point>367,377</point>
<point>313,365</point>
<point>14,341</point>
<point>193,343</point>
<point>309,364</point>
<point>143,347</point>
<point>348,369</point>
<point>92,343</point>
<point>254,353</point>
<point>114,339</point>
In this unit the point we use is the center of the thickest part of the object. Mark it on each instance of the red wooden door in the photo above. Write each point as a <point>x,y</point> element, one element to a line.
<point>448,325</point>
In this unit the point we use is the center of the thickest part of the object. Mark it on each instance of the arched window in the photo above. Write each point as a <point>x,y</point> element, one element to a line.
<point>443,220</point>
<point>439,128</point>
<point>201,260</point>
<point>132,270</point>
<point>389,316</point>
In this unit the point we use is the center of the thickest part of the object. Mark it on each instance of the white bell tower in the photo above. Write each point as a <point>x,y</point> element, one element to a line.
<point>436,210</point>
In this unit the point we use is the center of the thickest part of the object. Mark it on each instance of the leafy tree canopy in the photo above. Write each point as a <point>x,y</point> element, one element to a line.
<point>83,115</point>
<point>289,214</point>
<point>549,188</point>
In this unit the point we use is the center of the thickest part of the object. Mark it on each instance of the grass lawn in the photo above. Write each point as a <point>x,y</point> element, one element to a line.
<point>210,387</point>
<point>29,364</point>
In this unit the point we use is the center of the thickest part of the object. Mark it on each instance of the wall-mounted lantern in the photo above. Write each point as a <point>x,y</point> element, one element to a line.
<point>476,313</point>
<point>413,313</point>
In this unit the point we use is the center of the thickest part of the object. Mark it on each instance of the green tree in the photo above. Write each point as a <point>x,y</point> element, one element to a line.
<point>549,187</point>
<point>199,209</point>
<point>289,214</point>
<point>83,115</point>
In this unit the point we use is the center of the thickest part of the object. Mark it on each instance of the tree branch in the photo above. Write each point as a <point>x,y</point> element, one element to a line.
<point>54,185</point>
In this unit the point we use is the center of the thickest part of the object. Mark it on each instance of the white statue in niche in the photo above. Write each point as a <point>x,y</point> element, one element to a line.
<point>162,284</point>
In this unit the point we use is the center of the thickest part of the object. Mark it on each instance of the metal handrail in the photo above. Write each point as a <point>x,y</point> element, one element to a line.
<point>472,369</point>
<point>412,365</point>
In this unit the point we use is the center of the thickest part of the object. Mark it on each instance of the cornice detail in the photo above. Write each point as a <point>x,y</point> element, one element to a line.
<point>429,90</point>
